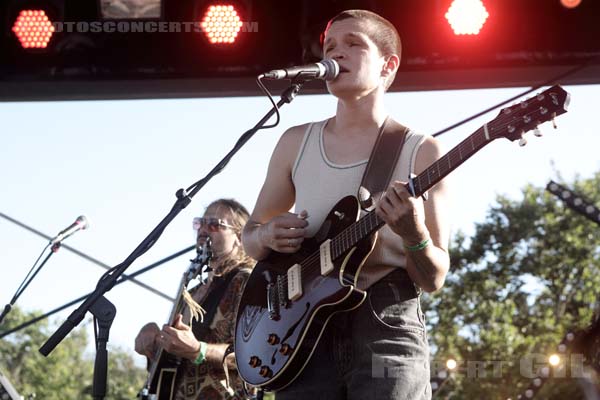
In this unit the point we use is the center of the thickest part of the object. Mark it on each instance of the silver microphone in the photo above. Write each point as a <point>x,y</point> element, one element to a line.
<point>326,69</point>
<point>80,223</point>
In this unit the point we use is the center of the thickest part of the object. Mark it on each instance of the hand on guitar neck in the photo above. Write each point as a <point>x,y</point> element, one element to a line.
<point>403,213</point>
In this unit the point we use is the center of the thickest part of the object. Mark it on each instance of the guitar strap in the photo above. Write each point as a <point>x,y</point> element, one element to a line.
<point>210,304</point>
<point>382,161</point>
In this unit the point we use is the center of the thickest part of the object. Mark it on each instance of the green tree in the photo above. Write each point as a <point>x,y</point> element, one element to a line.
<point>529,274</point>
<point>67,372</point>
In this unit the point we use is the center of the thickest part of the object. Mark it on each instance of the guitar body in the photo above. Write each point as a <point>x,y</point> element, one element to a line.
<point>165,379</point>
<point>296,325</point>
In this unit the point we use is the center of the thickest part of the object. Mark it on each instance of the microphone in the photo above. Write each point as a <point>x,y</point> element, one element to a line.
<point>326,69</point>
<point>80,223</point>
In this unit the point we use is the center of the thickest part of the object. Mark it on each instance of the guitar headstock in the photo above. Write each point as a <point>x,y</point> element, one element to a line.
<point>514,121</point>
<point>203,258</point>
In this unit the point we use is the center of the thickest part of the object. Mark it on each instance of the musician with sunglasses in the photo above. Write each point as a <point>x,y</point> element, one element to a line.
<point>202,344</point>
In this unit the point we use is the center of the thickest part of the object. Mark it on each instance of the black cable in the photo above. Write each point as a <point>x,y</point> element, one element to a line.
<point>26,281</point>
<point>533,88</point>
<point>241,141</point>
<point>270,97</point>
<point>89,258</point>
<point>23,284</point>
<point>78,300</point>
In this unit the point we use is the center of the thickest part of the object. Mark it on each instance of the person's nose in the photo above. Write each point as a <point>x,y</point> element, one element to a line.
<point>203,232</point>
<point>337,55</point>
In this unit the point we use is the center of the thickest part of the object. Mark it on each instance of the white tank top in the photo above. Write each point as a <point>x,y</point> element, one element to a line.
<point>320,184</point>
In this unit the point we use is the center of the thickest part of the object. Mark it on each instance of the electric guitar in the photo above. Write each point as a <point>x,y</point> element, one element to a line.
<point>163,373</point>
<point>289,298</point>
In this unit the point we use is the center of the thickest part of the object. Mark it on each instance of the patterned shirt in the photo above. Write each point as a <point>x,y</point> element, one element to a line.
<point>206,381</point>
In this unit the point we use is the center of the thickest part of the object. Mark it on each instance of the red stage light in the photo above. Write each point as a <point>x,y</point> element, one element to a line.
<point>570,3</point>
<point>466,16</point>
<point>33,29</point>
<point>221,24</point>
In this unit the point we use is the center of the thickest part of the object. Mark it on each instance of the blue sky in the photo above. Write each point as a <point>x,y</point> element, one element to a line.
<point>121,162</point>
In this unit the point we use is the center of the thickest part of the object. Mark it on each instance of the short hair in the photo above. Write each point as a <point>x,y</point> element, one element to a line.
<point>382,32</point>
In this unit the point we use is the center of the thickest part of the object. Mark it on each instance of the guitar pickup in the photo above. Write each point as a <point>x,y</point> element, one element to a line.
<point>325,254</point>
<point>282,293</point>
<point>294,275</point>
<point>272,302</point>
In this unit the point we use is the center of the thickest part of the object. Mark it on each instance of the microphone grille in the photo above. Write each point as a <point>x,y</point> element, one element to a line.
<point>332,69</point>
<point>83,221</point>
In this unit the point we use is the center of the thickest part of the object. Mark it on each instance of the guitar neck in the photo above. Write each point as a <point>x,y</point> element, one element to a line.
<point>371,222</point>
<point>177,308</point>
<point>450,161</point>
<point>511,123</point>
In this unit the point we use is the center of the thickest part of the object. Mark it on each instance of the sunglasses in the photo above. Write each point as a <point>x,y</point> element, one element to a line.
<point>211,224</point>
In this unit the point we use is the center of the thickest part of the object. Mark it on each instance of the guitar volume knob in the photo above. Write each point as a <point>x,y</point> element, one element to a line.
<point>273,339</point>
<point>265,372</point>
<point>255,362</point>
<point>285,349</point>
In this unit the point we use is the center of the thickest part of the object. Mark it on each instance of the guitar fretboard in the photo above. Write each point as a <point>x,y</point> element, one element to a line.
<point>370,223</point>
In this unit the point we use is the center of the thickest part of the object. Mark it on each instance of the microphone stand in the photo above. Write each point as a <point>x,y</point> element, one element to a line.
<point>104,313</point>
<point>107,281</point>
<point>124,278</point>
<point>22,288</point>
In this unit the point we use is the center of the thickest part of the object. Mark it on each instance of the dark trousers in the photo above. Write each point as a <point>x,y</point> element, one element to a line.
<point>378,351</point>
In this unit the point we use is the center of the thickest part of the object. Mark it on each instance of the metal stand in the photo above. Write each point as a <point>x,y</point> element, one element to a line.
<point>104,313</point>
<point>26,282</point>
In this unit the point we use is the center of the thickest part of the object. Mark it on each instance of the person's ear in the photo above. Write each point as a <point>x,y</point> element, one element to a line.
<point>391,65</point>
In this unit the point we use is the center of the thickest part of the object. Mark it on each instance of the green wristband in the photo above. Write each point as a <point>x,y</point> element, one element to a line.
<point>202,354</point>
<point>418,246</point>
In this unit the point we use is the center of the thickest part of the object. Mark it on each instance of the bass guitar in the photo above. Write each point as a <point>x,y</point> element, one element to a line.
<point>163,376</point>
<point>289,298</point>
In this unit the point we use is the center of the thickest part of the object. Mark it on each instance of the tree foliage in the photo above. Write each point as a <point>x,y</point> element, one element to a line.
<point>529,274</point>
<point>67,373</point>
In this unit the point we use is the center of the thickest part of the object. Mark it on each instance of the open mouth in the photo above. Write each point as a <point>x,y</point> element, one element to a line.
<point>343,69</point>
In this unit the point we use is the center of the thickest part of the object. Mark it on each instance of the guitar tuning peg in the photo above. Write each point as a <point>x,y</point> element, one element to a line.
<point>537,132</point>
<point>522,141</point>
